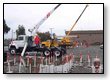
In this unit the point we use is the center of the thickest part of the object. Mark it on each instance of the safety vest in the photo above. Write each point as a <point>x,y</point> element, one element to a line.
<point>37,40</point>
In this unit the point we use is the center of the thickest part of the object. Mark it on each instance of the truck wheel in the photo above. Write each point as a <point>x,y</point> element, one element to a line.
<point>13,50</point>
<point>46,53</point>
<point>57,53</point>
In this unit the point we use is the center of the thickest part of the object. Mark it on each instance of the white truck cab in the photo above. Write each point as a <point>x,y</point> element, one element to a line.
<point>17,44</point>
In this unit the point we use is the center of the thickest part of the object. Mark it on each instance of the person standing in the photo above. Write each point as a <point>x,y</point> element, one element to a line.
<point>37,40</point>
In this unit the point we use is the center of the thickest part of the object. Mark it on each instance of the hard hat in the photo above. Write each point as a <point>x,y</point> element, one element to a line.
<point>36,34</point>
<point>96,59</point>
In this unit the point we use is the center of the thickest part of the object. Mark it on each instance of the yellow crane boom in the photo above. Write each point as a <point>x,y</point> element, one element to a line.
<point>66,39</point>
<point>77,20</point>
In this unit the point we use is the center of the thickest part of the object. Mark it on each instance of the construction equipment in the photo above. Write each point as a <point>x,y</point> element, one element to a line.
<point>60,46</point>
<point>29,45</point>
<point>54,47</point>
<point>66,40</point>
<point>52,42</point>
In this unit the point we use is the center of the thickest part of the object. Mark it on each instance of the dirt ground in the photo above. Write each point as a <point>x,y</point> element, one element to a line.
<point>57,65</point>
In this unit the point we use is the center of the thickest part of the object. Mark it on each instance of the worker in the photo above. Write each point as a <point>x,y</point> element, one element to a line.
<point>97,67</point>
<point>37,40</point>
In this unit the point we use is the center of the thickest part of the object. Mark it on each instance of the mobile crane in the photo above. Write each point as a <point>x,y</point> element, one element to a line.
<point>25,43</point>
<point>65,41</point>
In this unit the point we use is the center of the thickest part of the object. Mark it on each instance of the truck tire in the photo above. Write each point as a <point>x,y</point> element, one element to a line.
<point>13,51</point>
<point>46,53</point>
<point>57,53</point>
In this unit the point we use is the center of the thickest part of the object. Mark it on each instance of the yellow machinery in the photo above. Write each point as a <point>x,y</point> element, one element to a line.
<point>65,41</point>
<point>50,43</point>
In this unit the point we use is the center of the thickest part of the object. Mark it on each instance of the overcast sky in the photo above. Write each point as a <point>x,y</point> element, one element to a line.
<point>62,19</point>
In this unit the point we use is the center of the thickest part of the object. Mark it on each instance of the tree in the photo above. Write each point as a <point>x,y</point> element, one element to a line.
<point>20,30</point>
<point>44,36</point>
<point>6,28</point>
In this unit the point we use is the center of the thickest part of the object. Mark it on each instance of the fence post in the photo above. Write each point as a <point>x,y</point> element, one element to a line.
<point>88,59</point>
<point>9,68</point>
<point>20,64</point>
<point>28,59</point>
<point>81,59</point>
<point>35,60</point>
<point>30,65</point>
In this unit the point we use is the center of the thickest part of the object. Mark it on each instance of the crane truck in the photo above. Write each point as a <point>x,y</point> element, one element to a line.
<point>26,44</point>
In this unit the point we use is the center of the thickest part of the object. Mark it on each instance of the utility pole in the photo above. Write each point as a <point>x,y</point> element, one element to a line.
<point>51,32</point>
<point>12,35</point>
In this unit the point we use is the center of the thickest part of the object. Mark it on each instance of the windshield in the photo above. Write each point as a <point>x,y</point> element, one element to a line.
<point>20,38</point>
